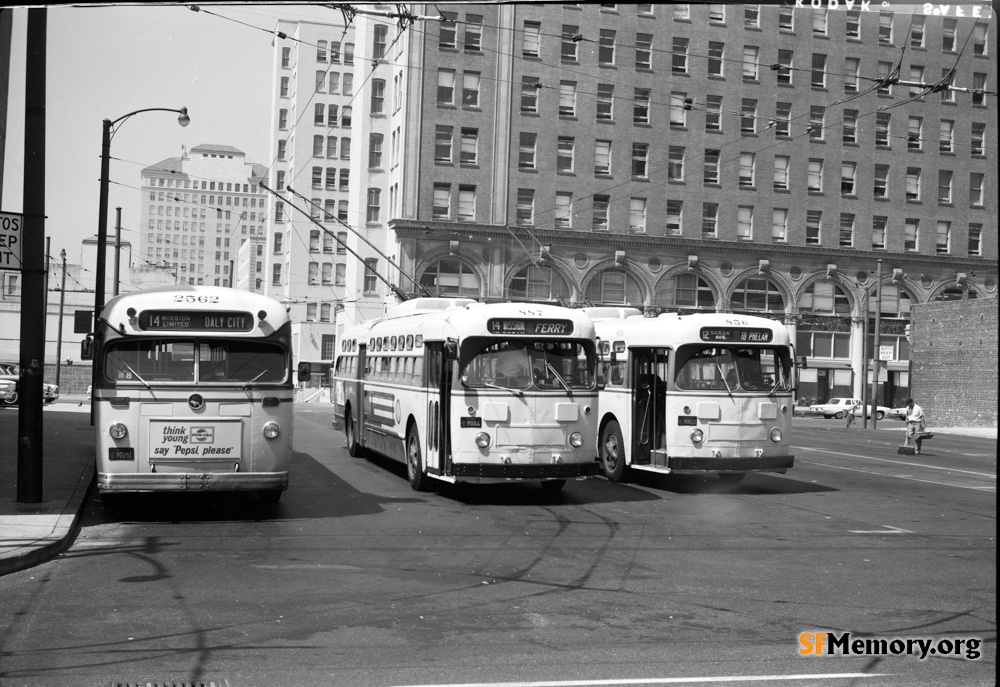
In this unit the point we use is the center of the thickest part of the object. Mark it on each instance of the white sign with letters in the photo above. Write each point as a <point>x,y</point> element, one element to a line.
<point>11,231</point>
<point>887,352</point>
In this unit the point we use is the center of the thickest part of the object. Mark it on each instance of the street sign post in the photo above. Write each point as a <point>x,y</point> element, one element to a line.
<point>11,229</point>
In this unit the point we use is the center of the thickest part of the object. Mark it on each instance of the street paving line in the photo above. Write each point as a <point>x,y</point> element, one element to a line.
<point>896,462</point>
<point>907,477</point>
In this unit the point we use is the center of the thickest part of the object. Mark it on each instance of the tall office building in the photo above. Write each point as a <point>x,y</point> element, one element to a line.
<point>197,209</point>
<point>756,159</point>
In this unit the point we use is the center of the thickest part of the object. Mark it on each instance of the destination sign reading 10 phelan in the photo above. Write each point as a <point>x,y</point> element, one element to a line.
<point>518,326</point>
<point>196,321</point>
<point>737,334</point>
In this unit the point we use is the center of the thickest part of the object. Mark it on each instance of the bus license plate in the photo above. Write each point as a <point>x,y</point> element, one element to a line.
<point>121,454</point>
<point>470,422</point>
<point>687,420</point>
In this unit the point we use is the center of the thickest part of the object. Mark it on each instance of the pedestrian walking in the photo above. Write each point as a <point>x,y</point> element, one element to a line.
<point>850,414</point>
<point>915,423</point>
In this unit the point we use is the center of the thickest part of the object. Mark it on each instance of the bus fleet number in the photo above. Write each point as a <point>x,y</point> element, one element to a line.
<point>195,299</point>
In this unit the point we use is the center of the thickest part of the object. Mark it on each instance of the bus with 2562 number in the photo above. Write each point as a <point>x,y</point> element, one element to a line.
<point>693,394</point>
<point>193,392</point>
<point>462,391</point>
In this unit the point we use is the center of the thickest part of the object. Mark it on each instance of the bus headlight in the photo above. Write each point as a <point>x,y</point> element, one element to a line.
<point>697,436</point>
<point>776,435</point>
<point>118,431</point>
<point>576,440</point>
<point>271,430</point>
<point>483,440</point>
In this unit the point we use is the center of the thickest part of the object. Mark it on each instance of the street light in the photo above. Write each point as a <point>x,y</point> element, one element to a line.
<point>102,223</point>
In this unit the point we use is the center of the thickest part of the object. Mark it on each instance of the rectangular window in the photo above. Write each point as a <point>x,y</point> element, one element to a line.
<point>605,102</point>
<point>567,98</point>
<point>570,39</point>
<point>744,223</point>
<point>531,39</point>
<point>470,146</point>
<point>473,32</point>
<point>913,133</point>
<point>674,211</point>
<point>640,106</point>
<point>637,215</point>
<point>600,221</point>
<point>885,28</point>
<point>781,172</point>
<point>913,183</point>
<point>779,225</point>
<point>978,89</point>
<point>526,151</point>
<point>975,236</point>
<point>679,105</point>
<point>917,76</point>
<point>371,269</point>
<point>784,74</point>
<point>944,186</point>
<point>911,235</point>
<point>321,81</point>
<point>643,51</point>
<point>379,41</point>
<point>565,148</point>
<point>848,177</point>
<point>977,142</point>
<point>606,48</point>
<point>345,177</point>
<point>948,33</point>
<point>675,163</point>
<point>713,113</point>
<point>442,201</point>
<point>852,73</point>
<point>470,89</point>
<point>818,70</point>
<point>879,223</point>
<point>716,55</point>
<point>943,244</point>
<point>466,203</point>
<point>782,115</point>
<point>709,220</point>
<point>882,122</point>
<point>850,126</point>
<point>814,225</point>
<point>751,16</point>
<point>786,18</point>
<point>378,96</point>
<point>443,136</point>
<point>976,180</point>
<point>979,41</point>
<point>748,116</point>
<point>332,116</point>
<point>375,151</point>
<point>679,56</point>
<point>602,158</point>
<point>746,179</point>
<point>716,13</point>
<point>750,62</point>
<point>529,94</point>
<point>525,206</point>
<point>819,22</point>
<point>446,87</point>
<point>564,210</point>
<point>852,29</point>
<point>814,177</point>
<point>318,142</point>
<point>946,138</point>
<point>446,30</point>
<point>374,196</point>
<point>846,230</point>
<point>711,175</point>
<point>885,83</point>
<point>640,160</point>
<point>682,11</point>
<point>881,181</point>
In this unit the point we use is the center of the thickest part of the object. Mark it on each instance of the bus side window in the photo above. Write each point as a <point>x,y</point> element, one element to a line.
<point>408,370</point>
<point>418,371</point>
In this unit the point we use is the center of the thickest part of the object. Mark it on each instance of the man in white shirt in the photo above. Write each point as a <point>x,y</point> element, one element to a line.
<point>915,422</point>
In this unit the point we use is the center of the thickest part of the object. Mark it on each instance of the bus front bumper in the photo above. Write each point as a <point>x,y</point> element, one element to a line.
<point>526,470</point>
<point>191,481</point>
<point>689,464</point>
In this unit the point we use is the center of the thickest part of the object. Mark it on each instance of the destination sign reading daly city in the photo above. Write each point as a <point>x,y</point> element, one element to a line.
<point>196,321</point>
<point>520,326</point>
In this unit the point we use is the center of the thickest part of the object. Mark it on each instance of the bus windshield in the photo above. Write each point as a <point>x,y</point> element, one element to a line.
<point>728,368</point>
<point>520,364</point>
<point>219,361</point>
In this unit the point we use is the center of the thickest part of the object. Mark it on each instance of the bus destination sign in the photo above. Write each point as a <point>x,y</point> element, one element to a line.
<point>736,334</point>
<point>196,321</point>
<point>519,326</point>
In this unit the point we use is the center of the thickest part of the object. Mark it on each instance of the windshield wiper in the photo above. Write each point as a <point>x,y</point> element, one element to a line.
<point>137,376</point>
<point>516,392</point>
<point>247,385</point>
<point>559,377</point>
<point>725,381</point>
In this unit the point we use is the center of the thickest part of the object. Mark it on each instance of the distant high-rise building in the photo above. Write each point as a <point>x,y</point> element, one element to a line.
<point>198,209</point>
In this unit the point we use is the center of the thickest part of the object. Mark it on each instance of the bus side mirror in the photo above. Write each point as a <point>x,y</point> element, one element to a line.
<point>304,372</point>
<point>451,349</point>
<point>87,348</point>
<point>803,364</point>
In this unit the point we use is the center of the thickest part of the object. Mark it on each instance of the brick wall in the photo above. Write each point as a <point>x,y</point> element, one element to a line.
<point>73,379</point>
<point>954,362</point>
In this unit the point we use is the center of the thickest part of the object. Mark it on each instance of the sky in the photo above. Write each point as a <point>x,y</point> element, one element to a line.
<point>104,62</point>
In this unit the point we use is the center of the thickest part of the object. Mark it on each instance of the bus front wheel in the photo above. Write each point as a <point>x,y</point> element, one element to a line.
<point>353,447</point>
<point>612,452</point>
<point>414,463</point>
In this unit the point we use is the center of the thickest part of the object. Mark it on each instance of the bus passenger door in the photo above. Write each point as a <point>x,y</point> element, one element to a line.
<point>356,395</point>
<point>438,367</point>
<point>648,375</point>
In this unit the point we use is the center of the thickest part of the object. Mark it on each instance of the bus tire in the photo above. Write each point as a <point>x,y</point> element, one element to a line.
<point>353,447</point>
<point>414,462</point>
<point>269,496</point>
<point>553,486</point>
<point>612,451</point>
<point>732,477</point>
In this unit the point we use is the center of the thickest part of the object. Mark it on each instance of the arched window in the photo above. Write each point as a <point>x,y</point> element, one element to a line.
<point>450,277</point>
<point>895,302</point>
<point>825,298</point>
<point>538,283</point>
<point>686,291</point>
<point>614,287</point>
<point>758,294</point>
<point>956,293</point>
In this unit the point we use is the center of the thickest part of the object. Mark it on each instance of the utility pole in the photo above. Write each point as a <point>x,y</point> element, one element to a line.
<point>877,362</point>
<point>62,302</point>
<point>118,243</point>
<point>33,296</point>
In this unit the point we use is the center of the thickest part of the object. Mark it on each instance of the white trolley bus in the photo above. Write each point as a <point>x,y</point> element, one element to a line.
<point>193,391</point>
<point>703,393</point>
<point>467,392</point>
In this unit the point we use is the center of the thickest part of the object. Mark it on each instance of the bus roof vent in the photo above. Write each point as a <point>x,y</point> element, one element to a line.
<point>415,306</point>
<point>599,313</point>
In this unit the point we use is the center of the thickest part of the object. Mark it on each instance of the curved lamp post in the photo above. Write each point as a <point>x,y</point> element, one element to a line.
<point>102,224</point>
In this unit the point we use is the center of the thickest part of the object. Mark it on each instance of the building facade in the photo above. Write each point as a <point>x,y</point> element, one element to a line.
<point>198,209</point>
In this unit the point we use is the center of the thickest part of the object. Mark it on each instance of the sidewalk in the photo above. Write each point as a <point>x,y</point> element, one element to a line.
<point>32,533</point>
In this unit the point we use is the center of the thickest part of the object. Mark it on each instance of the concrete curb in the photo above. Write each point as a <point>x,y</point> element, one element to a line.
<point>64,530</point>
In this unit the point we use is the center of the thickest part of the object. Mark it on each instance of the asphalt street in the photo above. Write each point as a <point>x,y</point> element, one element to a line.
<point>354,579</point>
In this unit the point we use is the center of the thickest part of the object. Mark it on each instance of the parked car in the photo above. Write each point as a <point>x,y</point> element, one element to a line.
<point>835,407</point>
<point>9,373</point>
<point>897,413</point>
<point>880,412</point>
<point>8,391</point>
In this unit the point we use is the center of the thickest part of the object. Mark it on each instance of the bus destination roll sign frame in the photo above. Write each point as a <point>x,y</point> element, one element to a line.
<point>736,334</point>
<point>196,321</point>
<point>520,326</point>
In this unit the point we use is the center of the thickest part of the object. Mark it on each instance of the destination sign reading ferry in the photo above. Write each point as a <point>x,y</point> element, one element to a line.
<point>196,321</point>
<point>519,326</point>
